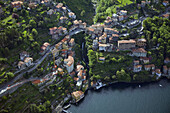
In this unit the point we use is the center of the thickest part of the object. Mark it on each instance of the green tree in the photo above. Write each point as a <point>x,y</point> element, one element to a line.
<point>32,23</point>
<point>106,78</point>
<point>34,32</point>
<point>10,75</point>
<point>122,76</point>
<point>82,13</point>
<point>114,77</point>
<point>14,10</point>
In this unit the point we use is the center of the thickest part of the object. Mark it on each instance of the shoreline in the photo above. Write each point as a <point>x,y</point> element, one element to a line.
<point>117,82</point>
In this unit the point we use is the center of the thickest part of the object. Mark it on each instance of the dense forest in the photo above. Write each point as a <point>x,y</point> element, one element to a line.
<point>157,33</point>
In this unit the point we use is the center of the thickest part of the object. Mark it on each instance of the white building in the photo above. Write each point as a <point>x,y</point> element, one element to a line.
<point>69,63</point>
<point>137,68</point>
<point>104,47</point>
<point>140,52</point>
<point>28,61</point>
<point>72,15</point>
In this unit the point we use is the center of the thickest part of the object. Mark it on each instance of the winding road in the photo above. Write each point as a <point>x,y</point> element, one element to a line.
<point>4,88</point>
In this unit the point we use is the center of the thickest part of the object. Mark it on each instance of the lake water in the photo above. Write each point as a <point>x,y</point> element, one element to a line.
<point>127,98</point>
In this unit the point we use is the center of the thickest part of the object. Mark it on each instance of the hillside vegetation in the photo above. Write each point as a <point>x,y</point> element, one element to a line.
<point>82,8</point>
<point>108,7</point>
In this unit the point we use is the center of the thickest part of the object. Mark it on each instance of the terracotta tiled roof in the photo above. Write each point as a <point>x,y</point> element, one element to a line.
<point>139,50</point>
<point>27,59</point>
<point>158,71</point>
<point>76,79</point>
<point>69,61</point>
<point>20,63</point>
<point>126,41</point>
<point>137,66</point>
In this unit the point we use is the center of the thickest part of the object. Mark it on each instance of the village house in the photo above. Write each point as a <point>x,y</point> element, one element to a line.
<point>77,96</point>
<point>53,30</point>
<point>144,59</point>
<point>140,52</point>
<point>79,24</point>
<point>72,15</point>
<point>79,68</point>
<point>165,3</point>
<point>64,9</point>
<point>123,12</point>
<point>17,4</point>
<point>95,30</point>
<point>149,67</point>
<point>59,6</point>
<point>60,71</point>
<point>28,61</point>
<point>136,62</point>
<point>69,63</point>
<point>71,42</point>
<point>104,47</point>
<point>168,71</point>
<point>110,31</point>
<point>108,23</point>
<point>45,2</point>
<point>114,16</point>
<point>166,60</point>
<point>80,74</point>
<point>95,44</point>
<point>21,65</point>
<point>165,16</point>
<point>82,25</point>
<point>90,31</point>
<point>126,44</point>
<point>165,69</point>
<point>59,46</point>
<point>83,78</point>
<point>38,82</point>
<point>63,19</point>
<point>102,58</point>
<point>141,42</point>
<point>44,48</point>
<point>158,72</point>
<point>137,68</point>
<point>23,55</point>
<point>102,39</point>
<point>64,30</point>
<point>76,79</point>
<point>32,5</point>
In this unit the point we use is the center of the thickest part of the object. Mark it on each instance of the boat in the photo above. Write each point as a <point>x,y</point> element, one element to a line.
<point>139,86</point>
<point>67,106</point>
<point>99,86</point>
<point>160,85</point>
